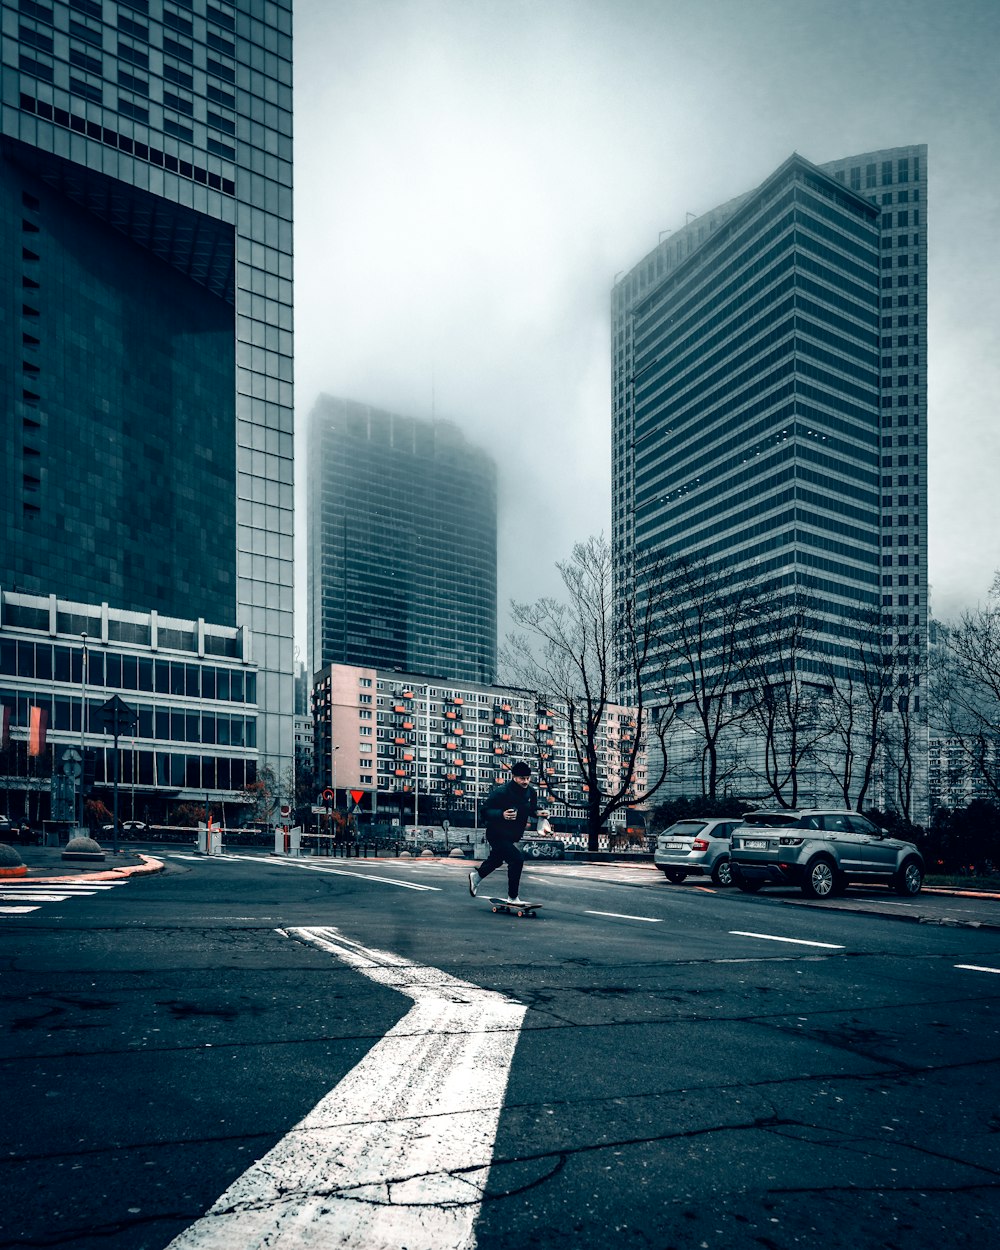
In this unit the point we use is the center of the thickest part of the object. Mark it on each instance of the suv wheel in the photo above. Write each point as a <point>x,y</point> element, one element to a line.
<point>909,879</point>
<point>722,873</point>
<point>676,875</point>
<point>821,879</point>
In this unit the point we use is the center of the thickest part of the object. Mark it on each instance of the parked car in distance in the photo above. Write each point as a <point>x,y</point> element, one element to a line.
<point>696,848</point>
<point>18,832</point>
<point>821,851</point>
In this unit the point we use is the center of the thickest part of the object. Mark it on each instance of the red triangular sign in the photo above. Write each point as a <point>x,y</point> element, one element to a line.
<point>357,795</point>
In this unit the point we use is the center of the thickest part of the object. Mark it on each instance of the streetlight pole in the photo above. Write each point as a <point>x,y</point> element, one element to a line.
<point>83,722</point>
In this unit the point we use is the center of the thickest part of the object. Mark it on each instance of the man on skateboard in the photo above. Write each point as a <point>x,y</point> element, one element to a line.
<point>508,809</point>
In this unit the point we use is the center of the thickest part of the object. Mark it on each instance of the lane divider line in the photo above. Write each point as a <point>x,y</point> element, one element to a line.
<point>770,937</point>
<point>617,915</point>
<point>977,968</point>
<point>343,872</point>
<point>398,1153</point>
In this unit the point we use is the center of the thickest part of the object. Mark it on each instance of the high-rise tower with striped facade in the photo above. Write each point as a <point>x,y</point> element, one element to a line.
<point>769,399</point>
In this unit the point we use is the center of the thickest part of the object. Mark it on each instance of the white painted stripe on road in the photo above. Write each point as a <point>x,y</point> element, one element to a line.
<point>770,937</point>
<point>398,1154</point>
<point>343,872</point>
<point>35,897</point>
<point>65,887</point>
<point>977,968</point>
<point>617,915</point>
<point>16,911</point>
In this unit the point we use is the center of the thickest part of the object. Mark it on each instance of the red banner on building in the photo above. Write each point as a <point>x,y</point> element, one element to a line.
<point>36,734</point>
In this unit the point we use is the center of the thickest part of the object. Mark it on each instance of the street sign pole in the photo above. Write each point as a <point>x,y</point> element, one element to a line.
<point>118,717</point>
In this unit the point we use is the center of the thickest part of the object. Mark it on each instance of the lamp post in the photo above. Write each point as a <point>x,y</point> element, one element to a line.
<point>333,757</point>
<point>83,722</point>
<point>119,718</point>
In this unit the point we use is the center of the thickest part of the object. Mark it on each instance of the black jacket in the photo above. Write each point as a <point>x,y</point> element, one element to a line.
<point>510,794</point>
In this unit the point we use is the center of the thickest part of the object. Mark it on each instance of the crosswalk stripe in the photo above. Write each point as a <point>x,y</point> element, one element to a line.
<point>34,896</point>
<point>16,911</point>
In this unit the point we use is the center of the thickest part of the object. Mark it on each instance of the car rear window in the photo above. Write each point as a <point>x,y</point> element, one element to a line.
<point>686,828</point>
<point>770,818</point>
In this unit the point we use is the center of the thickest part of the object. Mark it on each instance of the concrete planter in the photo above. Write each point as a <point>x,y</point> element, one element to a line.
<point>83,848</point>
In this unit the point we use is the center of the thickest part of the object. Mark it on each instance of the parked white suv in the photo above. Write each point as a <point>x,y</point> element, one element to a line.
<point>820,850</point>
<point>696,847</point>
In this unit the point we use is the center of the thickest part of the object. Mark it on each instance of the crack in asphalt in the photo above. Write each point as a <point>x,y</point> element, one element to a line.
<point>884,1077</point>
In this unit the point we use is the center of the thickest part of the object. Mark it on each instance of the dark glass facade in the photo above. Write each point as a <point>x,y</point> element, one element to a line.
<point>402,544</point>
<point>148,147</point>
<point>109,386</point>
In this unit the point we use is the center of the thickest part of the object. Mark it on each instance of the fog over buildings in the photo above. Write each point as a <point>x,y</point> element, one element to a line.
<point>470,179</point>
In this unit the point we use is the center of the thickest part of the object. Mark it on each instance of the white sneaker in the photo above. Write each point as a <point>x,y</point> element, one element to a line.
<point>515,902</point>
<point>474,880</point>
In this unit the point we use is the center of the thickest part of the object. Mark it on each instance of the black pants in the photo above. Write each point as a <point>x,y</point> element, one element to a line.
<point>504,850</point>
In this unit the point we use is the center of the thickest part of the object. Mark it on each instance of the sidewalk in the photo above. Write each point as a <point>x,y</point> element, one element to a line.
<point>45,863</point>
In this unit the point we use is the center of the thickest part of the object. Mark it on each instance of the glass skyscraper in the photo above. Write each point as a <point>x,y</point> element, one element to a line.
<point>402,544</point>
<point>146,209</point>
<point>769,397</point>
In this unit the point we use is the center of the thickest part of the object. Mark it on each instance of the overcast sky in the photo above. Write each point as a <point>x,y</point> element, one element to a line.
<point>471,175</point>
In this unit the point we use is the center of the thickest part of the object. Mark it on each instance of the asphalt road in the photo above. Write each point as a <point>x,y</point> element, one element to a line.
<point>642,1065</point>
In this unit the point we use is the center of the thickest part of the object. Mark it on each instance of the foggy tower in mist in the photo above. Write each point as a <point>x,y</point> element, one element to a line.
<point>769,368</point>
<point>146,209</point>
<point>402,544</point>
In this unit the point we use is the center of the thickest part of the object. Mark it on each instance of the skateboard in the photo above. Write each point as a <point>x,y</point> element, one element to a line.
<point>525,909</point>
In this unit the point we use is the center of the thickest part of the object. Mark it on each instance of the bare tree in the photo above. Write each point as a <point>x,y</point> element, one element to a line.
<point>968,692</point>
<point>788,701</point>
<point>705,619</point>
<point>577,654</point>
<point>861,678</point>
<point>901,746</point>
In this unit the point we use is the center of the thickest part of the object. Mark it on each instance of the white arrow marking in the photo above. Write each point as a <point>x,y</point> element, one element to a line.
<point>399,1152</point>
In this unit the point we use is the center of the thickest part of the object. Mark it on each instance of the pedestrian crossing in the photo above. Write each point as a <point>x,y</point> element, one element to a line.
<point>20,898</point>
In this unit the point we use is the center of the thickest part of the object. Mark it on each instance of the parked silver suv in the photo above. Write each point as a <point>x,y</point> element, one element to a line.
<point>697,847</point>
<point>821,850</point>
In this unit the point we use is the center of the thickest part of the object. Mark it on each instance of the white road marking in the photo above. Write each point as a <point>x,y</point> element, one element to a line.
<point>977,968</point>
<point>617,915</point>
<point>343,872</point>
<point>770,937</point>
<point>398,1154</point>
<point>65,887</point>
<point>35,897</point>
<point>16,911</point>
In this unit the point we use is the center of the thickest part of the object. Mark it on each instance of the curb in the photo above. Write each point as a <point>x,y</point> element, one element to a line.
<point>18,870</point>
<point>145,869</point>
<point>945,922</point>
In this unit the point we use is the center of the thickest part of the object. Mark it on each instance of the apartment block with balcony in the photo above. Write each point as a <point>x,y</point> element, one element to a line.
<point>406,739</point>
